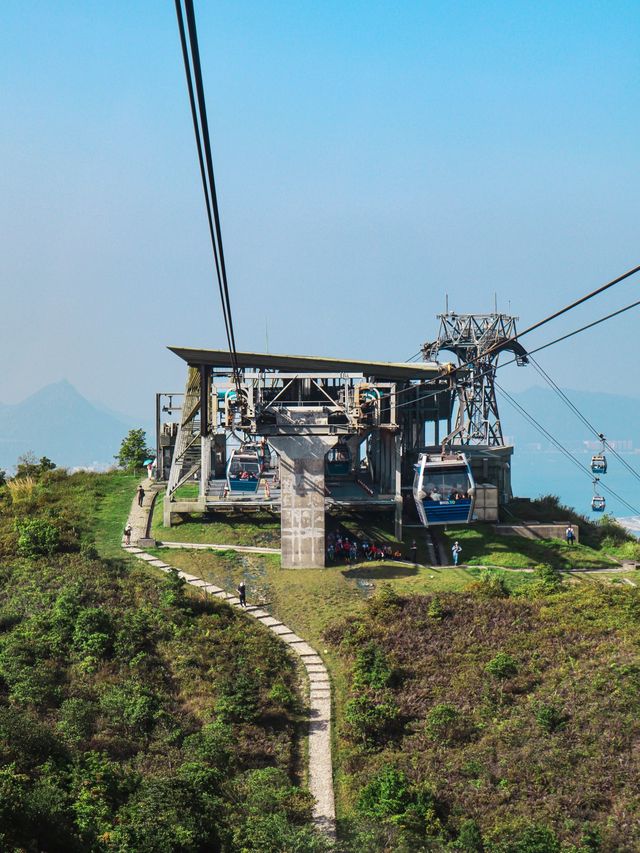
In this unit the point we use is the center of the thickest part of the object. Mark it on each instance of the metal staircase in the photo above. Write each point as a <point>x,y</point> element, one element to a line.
<point>187,455</point>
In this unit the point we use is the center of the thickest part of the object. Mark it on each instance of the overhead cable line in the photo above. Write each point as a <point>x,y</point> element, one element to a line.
<point>426,382</point>
<point>561,311</point>
<point>584,420</point>
<point>582,329</point>
<point>514,338</point>
<point>193,71</point>
<point>563,449</point>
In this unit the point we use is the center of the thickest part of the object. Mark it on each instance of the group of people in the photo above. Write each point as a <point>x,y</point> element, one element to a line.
<point>244,475</point>
<point>433,493</point>
<point>350,550</point>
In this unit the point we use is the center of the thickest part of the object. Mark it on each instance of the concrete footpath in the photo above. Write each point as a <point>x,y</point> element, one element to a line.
<point>320,765</point>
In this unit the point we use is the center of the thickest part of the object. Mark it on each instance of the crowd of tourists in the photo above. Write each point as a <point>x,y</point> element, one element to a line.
<point>351,550</point>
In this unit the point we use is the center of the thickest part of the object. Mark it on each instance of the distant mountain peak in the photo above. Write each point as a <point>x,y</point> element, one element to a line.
<point>59,422</point>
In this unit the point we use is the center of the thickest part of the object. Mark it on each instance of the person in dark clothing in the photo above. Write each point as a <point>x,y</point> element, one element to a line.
<point>140,494</point>
<point>242,594</point>
<point>414,552</point>
<point>570,535</point>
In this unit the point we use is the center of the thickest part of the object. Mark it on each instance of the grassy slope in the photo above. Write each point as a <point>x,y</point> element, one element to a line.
<point>114,494</point>
<point>554,742</point>
<point>480,545</point>
<point>147,672</point>
<point>260,528</point>
<point>309,600</point>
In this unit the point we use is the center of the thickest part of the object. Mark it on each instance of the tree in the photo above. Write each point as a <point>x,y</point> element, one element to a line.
<point>133,450</point>
<point>29,466</point>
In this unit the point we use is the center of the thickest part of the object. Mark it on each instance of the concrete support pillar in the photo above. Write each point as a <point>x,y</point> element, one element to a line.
<point>397,449</point>
<point>166,512</point>
<point>205,464</point>
<point>302,498</point>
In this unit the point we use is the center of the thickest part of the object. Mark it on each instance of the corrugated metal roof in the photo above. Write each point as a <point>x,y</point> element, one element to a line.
<point>309,364</point>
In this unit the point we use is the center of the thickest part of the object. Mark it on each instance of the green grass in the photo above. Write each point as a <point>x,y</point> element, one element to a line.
<point>188,492</point>
<point>114,496</point>
<point>482,546</point>
<point>260,528</point>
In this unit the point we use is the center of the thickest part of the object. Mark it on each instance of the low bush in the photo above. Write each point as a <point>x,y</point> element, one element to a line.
<point>372,668</point>
<point>502,666</point>
<point>371,717</point>
<point>446,724</point>
<point>37,537</point>
<point>550,718</point>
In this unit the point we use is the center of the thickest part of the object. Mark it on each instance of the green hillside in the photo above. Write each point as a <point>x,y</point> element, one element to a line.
<point>481,721</point>
<point>478,709</point>
<point>133,717</point>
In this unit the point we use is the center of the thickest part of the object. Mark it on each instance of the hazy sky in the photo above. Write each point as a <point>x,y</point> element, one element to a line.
<point>370,157</point>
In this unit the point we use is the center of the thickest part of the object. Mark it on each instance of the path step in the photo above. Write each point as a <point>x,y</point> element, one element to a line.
<point>320,766</point>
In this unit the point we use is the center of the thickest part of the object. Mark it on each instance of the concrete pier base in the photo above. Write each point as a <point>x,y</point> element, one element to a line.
<point>302,498</point>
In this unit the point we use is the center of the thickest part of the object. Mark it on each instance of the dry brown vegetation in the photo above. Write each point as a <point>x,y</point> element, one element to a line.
<point>515,715</point>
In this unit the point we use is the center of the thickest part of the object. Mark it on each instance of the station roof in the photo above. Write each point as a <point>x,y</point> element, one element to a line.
<point>309,364</point>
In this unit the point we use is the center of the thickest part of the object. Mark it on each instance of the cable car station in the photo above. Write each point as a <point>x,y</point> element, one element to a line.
<point>302,435</point>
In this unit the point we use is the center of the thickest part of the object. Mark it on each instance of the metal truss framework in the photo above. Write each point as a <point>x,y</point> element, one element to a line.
<point>479,339</point>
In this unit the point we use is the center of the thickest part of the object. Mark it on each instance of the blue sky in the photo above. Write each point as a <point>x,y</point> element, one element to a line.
<point>370,158</point>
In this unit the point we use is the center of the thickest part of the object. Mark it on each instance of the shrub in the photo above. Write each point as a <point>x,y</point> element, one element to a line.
<point>385,602</point>
<point>435,610</point>
<point>491,584</point>
<point>271,814</point>
<point>130,707</point>
<point>165,816</point>
<point>549,578</point>
<point>550,718</point>
<point>173,589</point>
<point>502,666</point>
<point>97,784</point>
<point>371,717</point>
<point>92,634</point>
<point>469,838</point>
<point>386,796</point>
<point>239,698</point>
<point>445,723</point>
<point>391,798</point>
<point>37,537</point>
<point>76,720</point>
<point>532,839</point>
<point>282,696</point>
<point>371,668</point>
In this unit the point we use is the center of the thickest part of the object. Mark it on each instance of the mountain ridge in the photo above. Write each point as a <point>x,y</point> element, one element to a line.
<point>59,422</point>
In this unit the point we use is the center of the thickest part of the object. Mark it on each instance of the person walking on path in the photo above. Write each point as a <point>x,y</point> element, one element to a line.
<point>242,594</point>
<point>127,534</point>
<point>140,494</point>
<point>569,535</point>
<point>455,552</point>
<point>414,552</point>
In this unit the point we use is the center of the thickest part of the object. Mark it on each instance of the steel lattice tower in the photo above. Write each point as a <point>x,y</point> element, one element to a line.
<point>476,338</point>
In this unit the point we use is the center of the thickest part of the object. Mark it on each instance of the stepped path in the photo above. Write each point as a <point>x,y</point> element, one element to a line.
<point>320,767</point>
